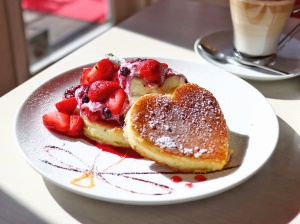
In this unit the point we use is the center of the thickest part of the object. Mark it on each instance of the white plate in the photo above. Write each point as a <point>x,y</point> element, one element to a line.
<point>63,160</point>
<point>288,58</point>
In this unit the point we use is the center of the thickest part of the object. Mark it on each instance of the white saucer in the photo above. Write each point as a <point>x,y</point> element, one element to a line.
<point>288,58</point>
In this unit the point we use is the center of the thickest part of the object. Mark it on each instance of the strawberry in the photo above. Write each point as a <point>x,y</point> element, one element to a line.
<point>115,101</point>
<point>93,116</point>
<point>100,90</point>
<point>76,125</point>
<point>57,121</point>
<point>84,76</point>
<point>103,70</point>
<point>66,105</point>
<point>153,71</point>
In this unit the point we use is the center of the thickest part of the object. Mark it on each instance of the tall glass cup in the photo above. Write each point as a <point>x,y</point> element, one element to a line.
<point>257,26</point>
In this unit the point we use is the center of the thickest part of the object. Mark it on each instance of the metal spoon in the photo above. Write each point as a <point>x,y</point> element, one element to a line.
<point>288,37</point>
<point>222,58</point>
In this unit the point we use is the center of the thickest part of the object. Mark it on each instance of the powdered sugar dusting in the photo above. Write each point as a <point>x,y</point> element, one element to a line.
<point>153,124</point>
<point>192,124</point>
<point>166,142</point>
<point>200,152</point>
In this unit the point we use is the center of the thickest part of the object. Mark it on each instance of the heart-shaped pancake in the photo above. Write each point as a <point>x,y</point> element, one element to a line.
<point>186,130</point>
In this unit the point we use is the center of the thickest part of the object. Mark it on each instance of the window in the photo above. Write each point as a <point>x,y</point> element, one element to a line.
<point>55,28</point>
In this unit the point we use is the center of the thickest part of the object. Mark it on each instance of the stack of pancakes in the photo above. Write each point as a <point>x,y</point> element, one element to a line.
<point>186,130</point>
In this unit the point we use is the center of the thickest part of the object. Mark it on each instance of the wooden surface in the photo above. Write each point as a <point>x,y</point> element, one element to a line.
<point>165,29</point>
<point>14,66</point>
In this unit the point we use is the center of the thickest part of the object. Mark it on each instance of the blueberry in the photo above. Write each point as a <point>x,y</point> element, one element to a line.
<point>85,99</point>
<point>125,71</point>
<point>107,113</point>
<point>121,120</point>
<point>140,59</point>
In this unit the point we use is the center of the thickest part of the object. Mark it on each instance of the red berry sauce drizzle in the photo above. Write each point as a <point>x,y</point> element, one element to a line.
<point>119,151</point>
<point>89,172</point>
<point>197,178</point>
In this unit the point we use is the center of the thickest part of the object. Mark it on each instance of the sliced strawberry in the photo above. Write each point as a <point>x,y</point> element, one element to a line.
<point>100,90</point>
<point>153,71</point>
<point>165,65</point>
<point>103,70</point>
<point>76,125</point>
<point>115,101</point>
<point>93,116</point>
<point>57,121</point>
<point>84,76</point>
<point>66,105</point>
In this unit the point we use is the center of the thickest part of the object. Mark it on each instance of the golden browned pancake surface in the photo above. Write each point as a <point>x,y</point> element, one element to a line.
<point>186,131</point>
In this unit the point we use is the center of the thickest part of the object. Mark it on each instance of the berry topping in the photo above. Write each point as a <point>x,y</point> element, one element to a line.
<point>70,92</point>
<point>100,90</point>
<point>106,92</point>
<point>122,120</point>
<point>103,70</point>
<point>115,101</point>
<point>66,106</point>
<point>125,71</point>
<point>86,89</point>
<point>57,121</point>
<point>65,123</point>
<point>107,113</point>
<point>138,60</point>
<point>153,71</point>
<point>84,76</point>
<point>85,99</point>
<point>76,125</point>
<point>93,116</point>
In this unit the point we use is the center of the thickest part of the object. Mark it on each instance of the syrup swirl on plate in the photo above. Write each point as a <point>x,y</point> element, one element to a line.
<point>89,172</point>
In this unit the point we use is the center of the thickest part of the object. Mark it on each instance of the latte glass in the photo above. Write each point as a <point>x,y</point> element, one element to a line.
<point>257,25</point>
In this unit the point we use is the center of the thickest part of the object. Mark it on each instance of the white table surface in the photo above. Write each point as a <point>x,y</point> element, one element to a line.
<point>166,29</point>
